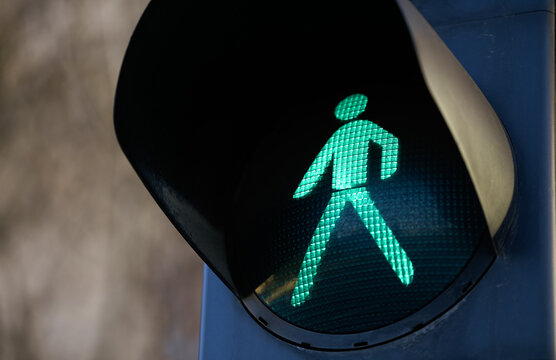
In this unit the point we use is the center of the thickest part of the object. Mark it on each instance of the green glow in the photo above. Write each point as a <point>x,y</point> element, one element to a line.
<point>348,149</point>
<point>349,146</point>
<point>351,107</point>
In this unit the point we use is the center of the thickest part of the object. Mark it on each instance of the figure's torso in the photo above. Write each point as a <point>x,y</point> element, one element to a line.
<point>350,147</point>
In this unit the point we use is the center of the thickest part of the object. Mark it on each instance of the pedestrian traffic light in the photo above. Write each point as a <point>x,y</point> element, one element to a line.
<point>334,165</point>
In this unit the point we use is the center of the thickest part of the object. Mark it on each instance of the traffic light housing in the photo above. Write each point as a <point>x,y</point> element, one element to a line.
<point>222,126</point>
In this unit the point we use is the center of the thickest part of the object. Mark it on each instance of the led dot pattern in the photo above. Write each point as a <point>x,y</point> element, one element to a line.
<point>351,107</point>
<point>375,224</point>
<point>381,222</point>
<point>348,148</point>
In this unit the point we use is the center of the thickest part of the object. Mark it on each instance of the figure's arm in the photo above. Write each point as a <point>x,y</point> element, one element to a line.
<point>390,147</point>
<point>315,172</point>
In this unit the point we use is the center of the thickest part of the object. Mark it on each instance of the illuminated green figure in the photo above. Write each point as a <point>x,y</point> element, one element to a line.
<point>348,149</point>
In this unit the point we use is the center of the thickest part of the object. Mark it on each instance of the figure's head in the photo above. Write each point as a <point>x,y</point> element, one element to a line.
<point>351,107</point>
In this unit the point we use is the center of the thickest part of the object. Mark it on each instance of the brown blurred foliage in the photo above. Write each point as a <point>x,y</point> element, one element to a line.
<point>90,268</point>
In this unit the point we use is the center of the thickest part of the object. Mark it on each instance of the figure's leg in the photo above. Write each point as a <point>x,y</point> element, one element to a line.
<point>316,247</point>
<point>381,233</point>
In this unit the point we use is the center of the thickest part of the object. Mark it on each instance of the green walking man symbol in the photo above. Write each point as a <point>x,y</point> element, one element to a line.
<point>348,149</point>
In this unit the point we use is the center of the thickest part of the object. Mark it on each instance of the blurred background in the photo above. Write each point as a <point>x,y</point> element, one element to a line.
<point>90,268</point>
